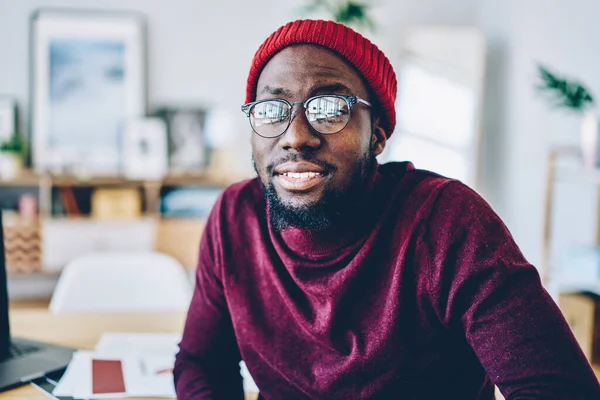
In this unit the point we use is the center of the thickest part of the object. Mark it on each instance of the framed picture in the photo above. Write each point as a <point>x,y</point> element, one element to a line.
<point>188,147</point>
<point>145,149</point>
<point>8,118</point>
<point>88,77</point>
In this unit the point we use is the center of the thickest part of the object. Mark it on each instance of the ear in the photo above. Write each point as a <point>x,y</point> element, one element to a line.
<point>378,137</point>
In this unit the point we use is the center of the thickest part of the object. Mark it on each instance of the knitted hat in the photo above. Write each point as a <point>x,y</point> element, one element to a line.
<point>368,60</point>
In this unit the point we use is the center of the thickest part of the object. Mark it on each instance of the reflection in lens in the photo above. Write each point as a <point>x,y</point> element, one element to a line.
<point>327,114</point>
<point>270,118</point>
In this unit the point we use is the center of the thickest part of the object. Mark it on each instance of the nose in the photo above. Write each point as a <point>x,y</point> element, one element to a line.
<point>300,136</point>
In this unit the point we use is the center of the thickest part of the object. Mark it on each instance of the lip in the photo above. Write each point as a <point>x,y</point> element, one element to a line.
<point>313,176</point>
<point>298,167</point>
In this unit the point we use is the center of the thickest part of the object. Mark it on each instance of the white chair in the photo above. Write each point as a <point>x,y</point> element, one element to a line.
<point>122,282</point>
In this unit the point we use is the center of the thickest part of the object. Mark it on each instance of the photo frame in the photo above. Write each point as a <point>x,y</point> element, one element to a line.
<point>8,118</point>
<point>189,149</point>
<point>145,149</point>
<point>88,76</point>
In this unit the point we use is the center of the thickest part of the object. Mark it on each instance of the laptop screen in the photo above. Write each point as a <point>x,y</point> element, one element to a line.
<point>4,328</point>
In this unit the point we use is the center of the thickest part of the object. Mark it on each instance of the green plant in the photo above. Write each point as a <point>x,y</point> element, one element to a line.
<point>15,144</point>
<point>347,12</point>
<point>564,93</point>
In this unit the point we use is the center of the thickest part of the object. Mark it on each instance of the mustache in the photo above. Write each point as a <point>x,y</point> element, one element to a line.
<point>296,157</point>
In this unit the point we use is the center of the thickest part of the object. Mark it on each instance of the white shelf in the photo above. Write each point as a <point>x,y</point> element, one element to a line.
<point>577,174</point>
<point>590,287</point>
<point>579,270</point>
<point>565,165</point>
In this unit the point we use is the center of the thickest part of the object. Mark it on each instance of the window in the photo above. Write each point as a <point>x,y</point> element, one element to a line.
<point>438,103</point>
<point>436,116</point>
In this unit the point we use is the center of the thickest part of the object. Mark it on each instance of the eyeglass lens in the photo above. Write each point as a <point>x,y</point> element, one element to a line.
<point>326,114</point>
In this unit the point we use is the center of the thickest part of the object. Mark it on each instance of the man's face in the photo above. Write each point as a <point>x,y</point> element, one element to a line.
<point>302,170</point>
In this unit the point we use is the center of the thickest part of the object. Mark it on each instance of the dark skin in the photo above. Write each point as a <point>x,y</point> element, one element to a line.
<point>296,74</point>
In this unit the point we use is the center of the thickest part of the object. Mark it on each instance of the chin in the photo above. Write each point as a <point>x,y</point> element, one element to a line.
<point>300,200</point>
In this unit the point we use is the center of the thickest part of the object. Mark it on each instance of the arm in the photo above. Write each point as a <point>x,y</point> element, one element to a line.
<point>484,290</point>
<point>207,365</point>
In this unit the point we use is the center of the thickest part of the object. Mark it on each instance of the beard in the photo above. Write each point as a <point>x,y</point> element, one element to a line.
<point>335,208</point>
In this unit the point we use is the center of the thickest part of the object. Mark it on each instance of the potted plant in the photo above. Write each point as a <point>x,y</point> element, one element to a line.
<point>347,12</point>
<point>573,96</point>
<point>12,156</point>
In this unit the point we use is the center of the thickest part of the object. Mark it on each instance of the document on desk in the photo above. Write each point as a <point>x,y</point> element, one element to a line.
<point>122,365</point>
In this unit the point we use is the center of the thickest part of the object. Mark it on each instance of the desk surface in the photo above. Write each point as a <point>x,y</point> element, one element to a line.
<point>83,331</point>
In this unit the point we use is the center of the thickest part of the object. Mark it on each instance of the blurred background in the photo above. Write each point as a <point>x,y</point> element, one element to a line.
<point>120,124</point>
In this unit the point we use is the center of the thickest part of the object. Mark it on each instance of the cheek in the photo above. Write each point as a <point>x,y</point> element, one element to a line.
<point>259,154</point>
<point>348,156</point>
<point>353,146</point>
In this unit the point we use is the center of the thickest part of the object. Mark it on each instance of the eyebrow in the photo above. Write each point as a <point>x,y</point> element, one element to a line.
<point>332,88</point>
<point>276,91</point>
<point>328,88</point>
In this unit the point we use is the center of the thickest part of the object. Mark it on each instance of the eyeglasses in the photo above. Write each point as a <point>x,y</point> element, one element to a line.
<point>327,114</point>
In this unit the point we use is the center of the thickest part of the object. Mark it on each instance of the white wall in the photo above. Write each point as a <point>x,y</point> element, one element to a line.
<point>519,127</point>
<point>200,51</point>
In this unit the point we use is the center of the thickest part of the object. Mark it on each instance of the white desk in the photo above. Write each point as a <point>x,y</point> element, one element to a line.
<point>84,331</point>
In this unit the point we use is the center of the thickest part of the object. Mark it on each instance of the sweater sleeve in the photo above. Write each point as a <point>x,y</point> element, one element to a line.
<point>207,364</point>
<point>484,291</point>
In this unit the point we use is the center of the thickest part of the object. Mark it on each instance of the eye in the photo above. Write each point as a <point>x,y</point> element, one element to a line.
<point>270,112</point>
<point>327,109</point>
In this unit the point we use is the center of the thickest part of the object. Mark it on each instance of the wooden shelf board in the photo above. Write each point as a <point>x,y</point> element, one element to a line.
<point>578,174</point>
<point>568,166</point>
<point>43,274</point>
<point>30,178</point>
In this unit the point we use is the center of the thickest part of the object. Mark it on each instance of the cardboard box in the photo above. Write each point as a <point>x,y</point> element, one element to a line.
<point>117,203</point>
<point>582,312</point>
<point>180,238</point>
<point>23,246</point>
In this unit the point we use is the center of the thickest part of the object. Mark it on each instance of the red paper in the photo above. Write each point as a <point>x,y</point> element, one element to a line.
<point>107,377</point>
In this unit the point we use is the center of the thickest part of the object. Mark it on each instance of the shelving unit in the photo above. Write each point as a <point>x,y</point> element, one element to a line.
<point>176,236</point>
<point>574,172</point>
<point>151,188</point>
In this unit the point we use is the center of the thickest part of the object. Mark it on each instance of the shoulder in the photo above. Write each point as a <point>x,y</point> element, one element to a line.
<point>460,218</point>
<point>458,206</point>
<point>445,205</point>
<point>412,181</point>
<point>413,191</point>
<point>445,194</point>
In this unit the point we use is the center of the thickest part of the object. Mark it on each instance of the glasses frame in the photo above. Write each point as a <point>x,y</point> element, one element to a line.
<point>350,101</point>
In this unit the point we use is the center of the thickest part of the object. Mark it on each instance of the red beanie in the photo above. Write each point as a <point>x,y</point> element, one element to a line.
<point>356,49</point>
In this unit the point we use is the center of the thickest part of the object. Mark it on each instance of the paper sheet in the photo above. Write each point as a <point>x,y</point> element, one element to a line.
<point>147,361</point>
<point>77,381</point>
<point>139,343</point>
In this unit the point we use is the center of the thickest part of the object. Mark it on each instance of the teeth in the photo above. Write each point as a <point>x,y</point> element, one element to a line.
<point>301,175</point>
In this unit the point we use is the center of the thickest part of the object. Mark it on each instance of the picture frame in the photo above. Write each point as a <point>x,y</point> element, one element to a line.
<point>188,145</point>
<point>145,149</point>
<point>8,118</point>
<point>87,77</point>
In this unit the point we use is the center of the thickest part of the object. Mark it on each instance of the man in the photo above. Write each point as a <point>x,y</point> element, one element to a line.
<point>334,277</point>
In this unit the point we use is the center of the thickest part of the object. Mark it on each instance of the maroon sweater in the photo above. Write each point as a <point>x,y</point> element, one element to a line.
<point>428,297</point>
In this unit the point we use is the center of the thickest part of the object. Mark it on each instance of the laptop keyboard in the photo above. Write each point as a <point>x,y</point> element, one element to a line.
<point>18,350</point>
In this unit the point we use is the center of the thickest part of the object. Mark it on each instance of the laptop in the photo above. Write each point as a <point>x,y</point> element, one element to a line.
<point>23,360</point>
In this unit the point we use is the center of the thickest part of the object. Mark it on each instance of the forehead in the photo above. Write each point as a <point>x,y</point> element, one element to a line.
<point>302,69</point>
